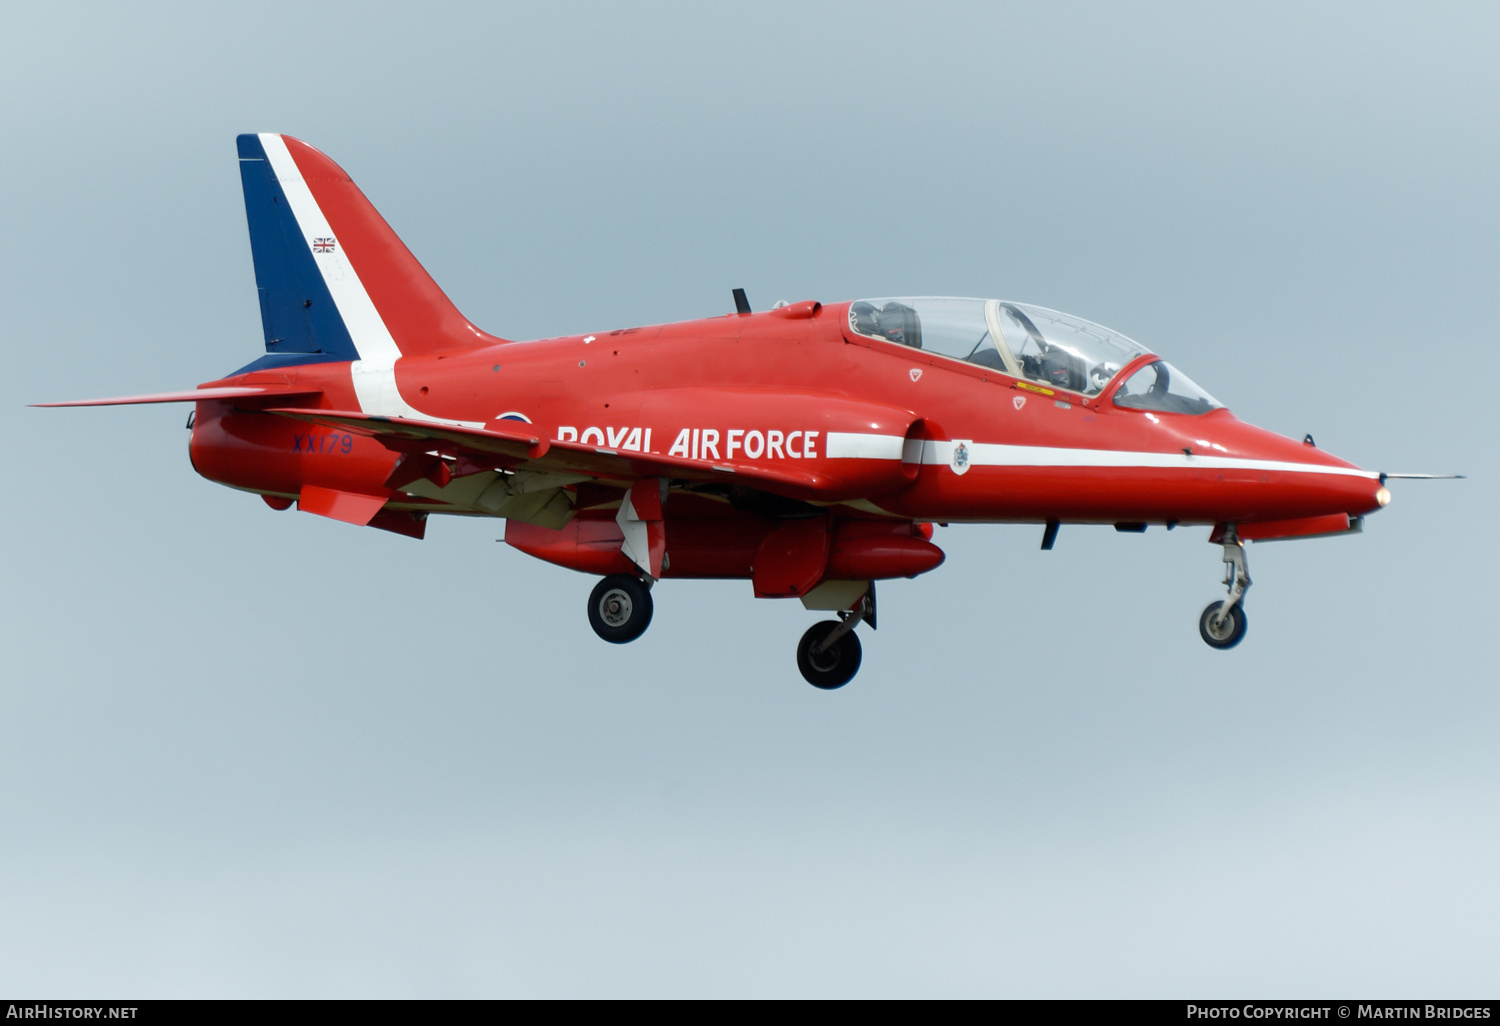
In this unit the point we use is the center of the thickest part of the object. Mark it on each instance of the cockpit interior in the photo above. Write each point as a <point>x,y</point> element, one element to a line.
<point>1033,343</point>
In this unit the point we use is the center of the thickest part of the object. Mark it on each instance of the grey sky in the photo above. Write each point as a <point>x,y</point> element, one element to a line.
<point>251,753</point>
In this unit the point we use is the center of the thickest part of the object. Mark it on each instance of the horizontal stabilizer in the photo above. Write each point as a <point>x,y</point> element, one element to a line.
<point>192,396</point>
<point>402,435</point>
<point>507,448</point>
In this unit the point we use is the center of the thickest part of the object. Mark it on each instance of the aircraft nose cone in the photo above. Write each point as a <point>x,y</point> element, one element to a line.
<point>1342,487</point>
<point>1314,482</point>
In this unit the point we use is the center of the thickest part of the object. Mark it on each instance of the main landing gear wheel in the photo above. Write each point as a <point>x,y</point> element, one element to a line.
<point>1224,631</point>
<point>830,667</point>
<point>620,608</point>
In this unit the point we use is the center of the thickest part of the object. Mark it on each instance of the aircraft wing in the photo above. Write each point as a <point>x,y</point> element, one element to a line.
<point>509,448</point>
<point>193,395</point>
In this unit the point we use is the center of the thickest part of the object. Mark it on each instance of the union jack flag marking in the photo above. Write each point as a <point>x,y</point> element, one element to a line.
<point>323,244</point>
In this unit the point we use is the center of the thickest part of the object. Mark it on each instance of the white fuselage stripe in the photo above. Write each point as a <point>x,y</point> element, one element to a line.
<point>848,445</point>
<point>990,454</point>
<point>374,373</point>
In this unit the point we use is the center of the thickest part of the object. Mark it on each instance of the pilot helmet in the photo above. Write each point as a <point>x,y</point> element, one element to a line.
<point>891,322</point>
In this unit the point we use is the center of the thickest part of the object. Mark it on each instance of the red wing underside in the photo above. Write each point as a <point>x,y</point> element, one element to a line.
<point>511,448</point>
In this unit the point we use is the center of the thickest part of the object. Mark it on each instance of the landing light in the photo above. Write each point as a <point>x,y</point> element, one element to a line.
<point>1383,496</point>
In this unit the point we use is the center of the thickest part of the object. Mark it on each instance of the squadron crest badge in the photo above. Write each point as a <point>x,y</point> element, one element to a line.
<point>961,455</point>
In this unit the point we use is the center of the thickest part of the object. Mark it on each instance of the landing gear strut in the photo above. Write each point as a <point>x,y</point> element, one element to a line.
<point>620,608</point>
<point>829,653</point>
<point>1223,624</point>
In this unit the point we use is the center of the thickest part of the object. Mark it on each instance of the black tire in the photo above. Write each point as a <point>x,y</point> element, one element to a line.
<point>834,667</point>
<point>620,609</point>
<point>1227,633</point>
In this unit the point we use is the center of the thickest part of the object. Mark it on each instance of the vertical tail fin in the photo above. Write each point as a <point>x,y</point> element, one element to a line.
<point>335,281</point>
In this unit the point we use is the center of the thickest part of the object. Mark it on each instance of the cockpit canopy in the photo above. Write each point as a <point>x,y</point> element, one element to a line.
<point>1031,342</point>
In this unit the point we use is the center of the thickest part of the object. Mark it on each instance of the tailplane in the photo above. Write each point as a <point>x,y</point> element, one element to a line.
<point>335,282</point>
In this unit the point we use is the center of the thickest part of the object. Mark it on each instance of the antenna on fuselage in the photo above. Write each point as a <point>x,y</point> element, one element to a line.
<point>741,304</point>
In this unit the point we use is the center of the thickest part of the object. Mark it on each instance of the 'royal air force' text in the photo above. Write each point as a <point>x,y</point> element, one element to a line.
<point>703,443</point>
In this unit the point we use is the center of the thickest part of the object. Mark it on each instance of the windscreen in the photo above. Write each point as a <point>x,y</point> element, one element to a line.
<point>1160,386</point>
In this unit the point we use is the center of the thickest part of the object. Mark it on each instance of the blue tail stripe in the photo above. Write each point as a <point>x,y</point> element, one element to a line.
<point>297,312</point>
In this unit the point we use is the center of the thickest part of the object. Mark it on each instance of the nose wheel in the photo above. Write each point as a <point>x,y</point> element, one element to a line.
<point>1223,624</point>
<point>1222,629</point>
<point>620,608</point>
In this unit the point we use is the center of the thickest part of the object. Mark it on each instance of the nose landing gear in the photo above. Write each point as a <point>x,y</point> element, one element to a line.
<point>620,608</point>
<point>1223,624</point>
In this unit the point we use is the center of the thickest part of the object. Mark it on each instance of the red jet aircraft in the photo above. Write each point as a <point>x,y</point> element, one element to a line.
<point>808,449</point>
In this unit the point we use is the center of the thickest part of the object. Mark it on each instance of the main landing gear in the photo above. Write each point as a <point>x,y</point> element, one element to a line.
<point>620,608</point>
<point>1223,624</point>
<point>829,653</point>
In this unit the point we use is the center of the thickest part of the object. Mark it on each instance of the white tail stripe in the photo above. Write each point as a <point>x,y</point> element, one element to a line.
<point>989,454</point>
<point>374,373</point>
